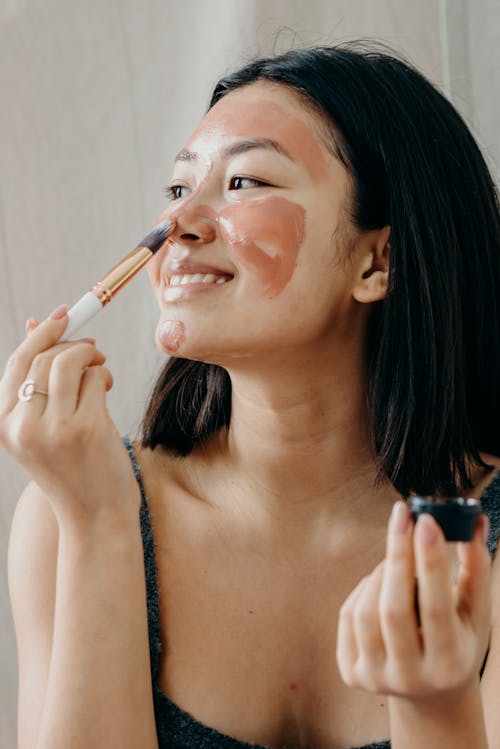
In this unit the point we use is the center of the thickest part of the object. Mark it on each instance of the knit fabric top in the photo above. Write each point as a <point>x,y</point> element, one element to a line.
<point>176,728</point>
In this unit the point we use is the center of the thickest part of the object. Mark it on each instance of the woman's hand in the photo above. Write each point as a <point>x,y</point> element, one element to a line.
<point>383,647</point>
<point>66,441</point>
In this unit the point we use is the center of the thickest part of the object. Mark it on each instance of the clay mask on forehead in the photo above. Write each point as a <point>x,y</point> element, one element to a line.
<point>262,118</point>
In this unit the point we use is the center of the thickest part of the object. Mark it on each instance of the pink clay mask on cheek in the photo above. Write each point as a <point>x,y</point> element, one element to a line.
<point>265,236</point>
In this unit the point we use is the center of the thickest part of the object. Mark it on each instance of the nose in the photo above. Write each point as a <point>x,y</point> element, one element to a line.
<point>196,225</point>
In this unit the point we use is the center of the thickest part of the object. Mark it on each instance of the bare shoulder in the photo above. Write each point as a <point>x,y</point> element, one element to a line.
<point>32,573</point>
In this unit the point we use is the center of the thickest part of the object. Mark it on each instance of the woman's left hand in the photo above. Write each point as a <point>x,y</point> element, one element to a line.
<point>382,646</point>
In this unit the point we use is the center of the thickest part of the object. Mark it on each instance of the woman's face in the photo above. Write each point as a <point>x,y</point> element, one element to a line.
<point>253,263</point>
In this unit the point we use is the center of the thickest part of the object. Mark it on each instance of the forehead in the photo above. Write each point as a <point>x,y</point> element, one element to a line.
<point>267,111</point>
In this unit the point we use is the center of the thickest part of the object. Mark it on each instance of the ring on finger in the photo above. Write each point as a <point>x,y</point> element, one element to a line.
<point>28,389</point>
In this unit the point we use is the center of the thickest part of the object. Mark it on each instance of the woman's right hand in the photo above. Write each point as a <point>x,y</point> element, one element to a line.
<point>66,440</point>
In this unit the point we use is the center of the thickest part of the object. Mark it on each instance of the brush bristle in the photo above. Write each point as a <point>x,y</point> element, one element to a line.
<point>158,235</point>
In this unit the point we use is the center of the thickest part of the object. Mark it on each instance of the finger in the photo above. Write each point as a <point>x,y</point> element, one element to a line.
<point>66,376</point>
<point>398,619</point>
<point>96,381</point>
<point>19,363</point>
<point>474,575</point>
<point>369,639</point>
<point>435,597</point>
<point>39,373</point>
<point>347,647</point>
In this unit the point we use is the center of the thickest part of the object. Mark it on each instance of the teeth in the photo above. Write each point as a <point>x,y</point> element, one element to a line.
<point>186,279</point>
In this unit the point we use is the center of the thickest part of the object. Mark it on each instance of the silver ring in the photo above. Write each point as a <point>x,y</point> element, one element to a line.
<point>28,390</point>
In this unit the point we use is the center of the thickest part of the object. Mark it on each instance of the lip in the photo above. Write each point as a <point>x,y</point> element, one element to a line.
<point>172,294</point>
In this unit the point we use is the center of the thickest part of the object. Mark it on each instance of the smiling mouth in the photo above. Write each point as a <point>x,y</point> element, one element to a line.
<point>183,286</point>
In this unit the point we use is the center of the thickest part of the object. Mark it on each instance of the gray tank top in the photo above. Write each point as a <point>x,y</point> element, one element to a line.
<point>177,729</point>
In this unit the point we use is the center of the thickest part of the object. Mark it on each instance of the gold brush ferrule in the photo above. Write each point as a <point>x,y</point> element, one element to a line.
<point>121,274</point>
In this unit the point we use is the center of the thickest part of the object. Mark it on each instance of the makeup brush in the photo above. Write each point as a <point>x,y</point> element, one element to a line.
<point>110,284</point>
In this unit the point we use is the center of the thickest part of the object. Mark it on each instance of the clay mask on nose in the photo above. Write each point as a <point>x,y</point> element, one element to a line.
<point>178,251</point>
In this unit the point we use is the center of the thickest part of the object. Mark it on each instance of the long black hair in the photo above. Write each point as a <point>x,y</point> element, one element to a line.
<point>432,345</point>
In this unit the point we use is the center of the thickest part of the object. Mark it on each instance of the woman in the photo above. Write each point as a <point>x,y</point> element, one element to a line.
<point>326,298</point>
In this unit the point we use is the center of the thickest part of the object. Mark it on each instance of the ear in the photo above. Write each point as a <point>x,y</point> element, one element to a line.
<point>372,271</point>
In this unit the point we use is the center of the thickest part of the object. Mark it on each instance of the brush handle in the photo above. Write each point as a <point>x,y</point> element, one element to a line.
<point>80,313</point>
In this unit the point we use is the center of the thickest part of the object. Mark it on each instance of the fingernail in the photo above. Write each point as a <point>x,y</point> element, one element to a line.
<point>426,529</point>
<point>400,518</point>
<point>59,312</point>
<point>30,325</point>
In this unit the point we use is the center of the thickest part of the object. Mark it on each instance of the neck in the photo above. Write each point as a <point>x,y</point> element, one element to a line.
<point>299,443</point>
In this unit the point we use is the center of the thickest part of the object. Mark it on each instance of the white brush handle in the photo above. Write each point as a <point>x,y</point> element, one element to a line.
<point>80,313</point>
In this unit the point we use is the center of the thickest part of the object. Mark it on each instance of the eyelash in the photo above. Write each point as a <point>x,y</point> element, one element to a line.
<point>171,190</point>
<point>254,181</point>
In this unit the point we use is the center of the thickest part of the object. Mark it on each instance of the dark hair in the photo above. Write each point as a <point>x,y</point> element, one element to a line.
<point>432,345</point>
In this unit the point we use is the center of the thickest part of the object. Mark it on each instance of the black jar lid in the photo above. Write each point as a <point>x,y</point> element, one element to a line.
<point>457,516</point>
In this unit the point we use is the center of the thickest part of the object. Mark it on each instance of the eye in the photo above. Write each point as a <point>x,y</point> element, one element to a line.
<point>175,192</point>
<point>242,183</point>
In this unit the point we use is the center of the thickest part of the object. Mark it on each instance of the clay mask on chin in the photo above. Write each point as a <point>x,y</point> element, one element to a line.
<point>171,335</point>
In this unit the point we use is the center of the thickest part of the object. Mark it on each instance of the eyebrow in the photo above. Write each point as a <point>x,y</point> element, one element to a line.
<point>241,146</point>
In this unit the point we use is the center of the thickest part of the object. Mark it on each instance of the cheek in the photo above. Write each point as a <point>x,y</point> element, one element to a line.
<point>265,235</point>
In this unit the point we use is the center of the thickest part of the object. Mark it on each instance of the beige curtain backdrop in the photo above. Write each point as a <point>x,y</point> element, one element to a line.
<point>96,98</point>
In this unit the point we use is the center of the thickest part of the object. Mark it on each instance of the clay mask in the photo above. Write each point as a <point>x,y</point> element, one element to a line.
<point>171,335</point>
<point>263,118</point>
<point>265,236</point>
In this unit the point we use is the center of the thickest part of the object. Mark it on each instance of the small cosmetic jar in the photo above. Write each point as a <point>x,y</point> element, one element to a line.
<point>457,516</point>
